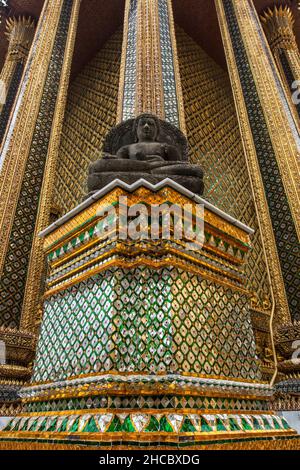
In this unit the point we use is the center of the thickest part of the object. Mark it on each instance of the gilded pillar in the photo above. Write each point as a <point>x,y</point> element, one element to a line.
<point>20,32</point>
<point>149,78</point>
<point>278,24</point>
<point>27,162</point>
<point>271,143</point>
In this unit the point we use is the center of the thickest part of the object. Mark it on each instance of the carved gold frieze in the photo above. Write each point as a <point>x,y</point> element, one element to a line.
<point>73,248</point>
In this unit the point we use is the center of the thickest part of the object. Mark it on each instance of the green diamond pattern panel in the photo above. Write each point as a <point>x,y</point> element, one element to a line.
<point>146,320</point>
<point>116,321</point>
<point>212,329</point>
<point>160,402</point>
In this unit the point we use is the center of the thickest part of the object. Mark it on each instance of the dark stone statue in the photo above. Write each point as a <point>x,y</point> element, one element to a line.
<point>148,148</point>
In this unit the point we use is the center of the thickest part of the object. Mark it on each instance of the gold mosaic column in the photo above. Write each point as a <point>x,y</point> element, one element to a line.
<point>271,142</point>
<point>34,284</point>
<point>149,77</point>
<point>278,24</point>
<point>28,161</point>
<point>20,32</point>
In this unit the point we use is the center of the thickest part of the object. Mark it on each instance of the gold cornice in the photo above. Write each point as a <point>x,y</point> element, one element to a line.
<point>20,345</point>
<point>62,234</point>
<point>125,256</point>
<point>9,371</point>
<point>208,253</point>
<point>158,374</point>
<point>126,390</point>
<point>215,263</point>
<point>125,264</point>
<point>148,437</point>
<point>246,444</point>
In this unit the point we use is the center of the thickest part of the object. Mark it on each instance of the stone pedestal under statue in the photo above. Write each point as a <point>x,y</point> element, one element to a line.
<point>146,342</point>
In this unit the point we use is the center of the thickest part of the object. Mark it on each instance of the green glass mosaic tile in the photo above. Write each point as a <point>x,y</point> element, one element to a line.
<point>164,425</point>
<point>115,426</point>
<point>146,320</point>
<point>187,426</point>
<point>205,426</point>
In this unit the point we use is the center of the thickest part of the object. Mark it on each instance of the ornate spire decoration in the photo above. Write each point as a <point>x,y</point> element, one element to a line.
<point>278,24</point>
<point>19,32</point>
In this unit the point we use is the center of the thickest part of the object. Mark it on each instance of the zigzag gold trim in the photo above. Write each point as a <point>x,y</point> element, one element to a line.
<point>146,411</point>
<point>143,261</point>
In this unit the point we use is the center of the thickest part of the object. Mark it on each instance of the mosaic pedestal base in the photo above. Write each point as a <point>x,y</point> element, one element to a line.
<point>146,344</point>
<point>142,411</point>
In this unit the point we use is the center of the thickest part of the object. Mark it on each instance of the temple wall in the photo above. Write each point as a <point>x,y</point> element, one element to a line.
<point>214,138</point>
<point>90,113</point>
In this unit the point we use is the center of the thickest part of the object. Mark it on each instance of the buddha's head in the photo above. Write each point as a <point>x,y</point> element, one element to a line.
<point>146,128</point>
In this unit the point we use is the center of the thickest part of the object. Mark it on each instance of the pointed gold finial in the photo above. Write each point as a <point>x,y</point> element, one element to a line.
<point>278,23</point>
<point>19,32</point>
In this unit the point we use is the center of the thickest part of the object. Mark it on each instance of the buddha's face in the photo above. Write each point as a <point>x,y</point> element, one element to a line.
<point>146,130</point>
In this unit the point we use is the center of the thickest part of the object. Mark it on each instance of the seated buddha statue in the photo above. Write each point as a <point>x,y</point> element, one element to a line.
<point>156,150</point>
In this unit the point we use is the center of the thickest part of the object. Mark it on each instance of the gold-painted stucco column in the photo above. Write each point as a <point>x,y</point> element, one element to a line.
<point>19,32</point>
<point>278,24</point>
<point>272,144</point>
<point>149,76</point>
<point>27,171</point>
